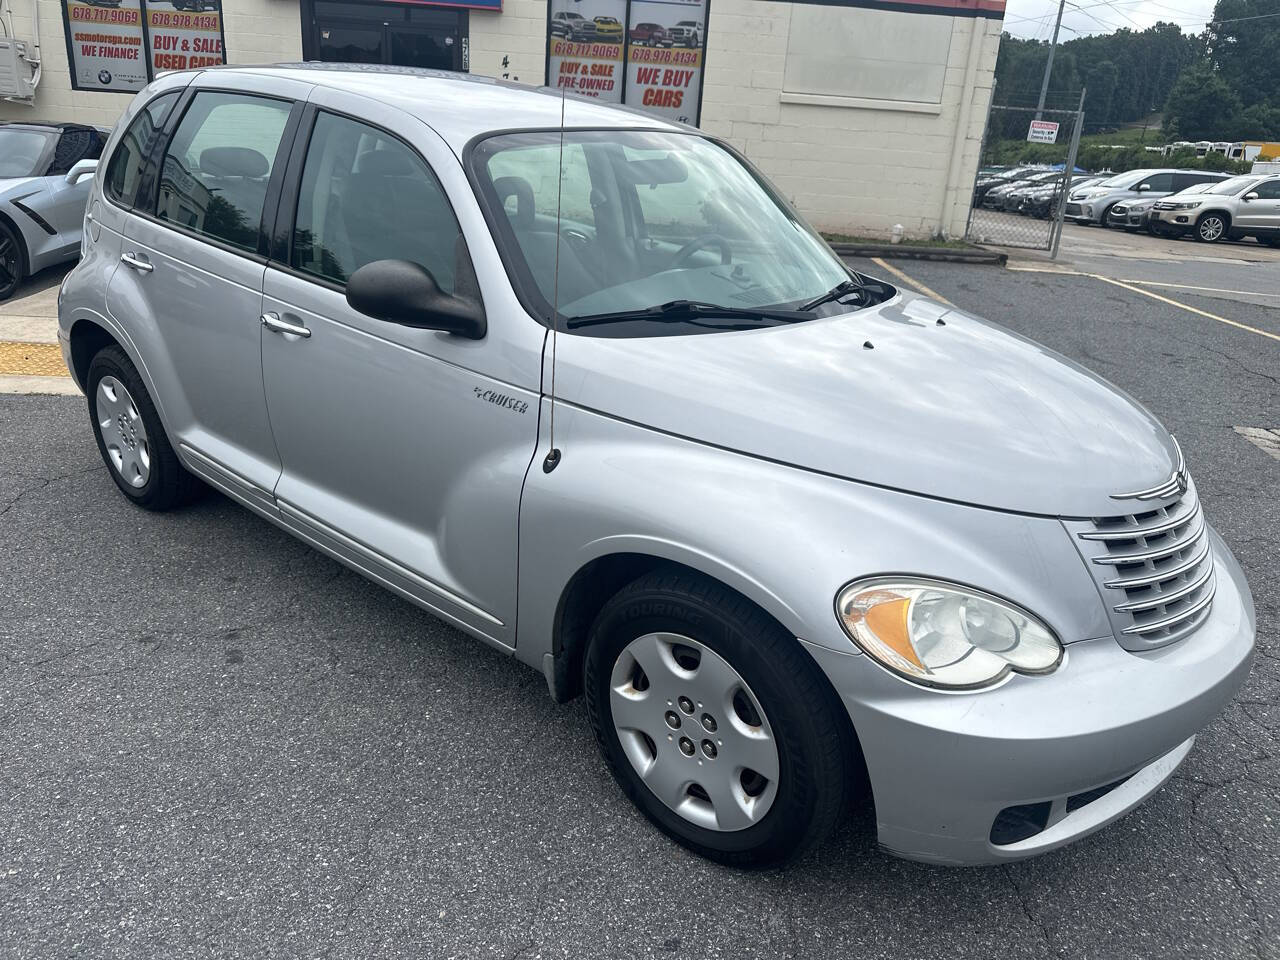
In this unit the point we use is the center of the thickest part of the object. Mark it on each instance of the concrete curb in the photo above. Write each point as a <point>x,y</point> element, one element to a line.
<point>910,252</point>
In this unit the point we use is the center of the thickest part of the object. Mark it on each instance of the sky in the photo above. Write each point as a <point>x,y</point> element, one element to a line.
<point>1034,18</point>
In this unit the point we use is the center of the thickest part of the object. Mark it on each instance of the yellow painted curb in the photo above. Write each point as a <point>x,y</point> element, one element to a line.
<point>31,359</point>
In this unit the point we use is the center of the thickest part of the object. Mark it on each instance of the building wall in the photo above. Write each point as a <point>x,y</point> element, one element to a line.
<point>518,33</point>
<point>258,31</point>
<point>852,165</point>
<point>821,124</point>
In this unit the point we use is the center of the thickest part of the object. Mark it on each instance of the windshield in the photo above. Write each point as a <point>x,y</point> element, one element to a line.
<point>1229,187</point>
<point>1125,180</point>
<point>24,153</point>
<point>646,218</point>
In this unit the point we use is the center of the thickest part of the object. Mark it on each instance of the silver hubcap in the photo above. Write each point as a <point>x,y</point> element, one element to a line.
<point>694,731</point>
<point>123,433</point>
<point>1211,229</point>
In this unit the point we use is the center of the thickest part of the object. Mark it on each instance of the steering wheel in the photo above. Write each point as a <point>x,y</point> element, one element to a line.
<point>683,255</point>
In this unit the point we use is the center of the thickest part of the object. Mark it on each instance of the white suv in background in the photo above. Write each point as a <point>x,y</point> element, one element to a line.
<point>1094,204</point>
<point>1246,206</point>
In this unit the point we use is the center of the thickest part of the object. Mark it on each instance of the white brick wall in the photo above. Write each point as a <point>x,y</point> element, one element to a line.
<point>856,169</point>
<point>258,31</point>
<point>849,169</point>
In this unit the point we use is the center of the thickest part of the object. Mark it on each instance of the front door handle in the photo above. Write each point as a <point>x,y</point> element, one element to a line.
<point>273,323</point>
<point>129,260</point>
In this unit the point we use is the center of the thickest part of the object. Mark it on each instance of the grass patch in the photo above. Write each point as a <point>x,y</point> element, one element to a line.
<point>905,242</point>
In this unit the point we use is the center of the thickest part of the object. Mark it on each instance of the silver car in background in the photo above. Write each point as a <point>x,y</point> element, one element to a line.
<point>801,539</point>
<point>45,178</point>
<point>1094,203</point>
<point>1245,206</point>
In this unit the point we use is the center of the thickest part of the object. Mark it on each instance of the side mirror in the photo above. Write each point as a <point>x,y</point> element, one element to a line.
<point>406,293</point>
<point>1253,195</point>
<point>81,169</point>
<point>1143,186</point>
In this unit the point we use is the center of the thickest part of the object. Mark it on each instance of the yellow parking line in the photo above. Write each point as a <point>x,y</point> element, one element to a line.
<point>1183,306</point>
<point>916,284</point>
<point>31,359</point>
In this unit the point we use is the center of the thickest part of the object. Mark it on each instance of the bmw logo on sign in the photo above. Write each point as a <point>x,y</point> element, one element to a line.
<point>104,77</point>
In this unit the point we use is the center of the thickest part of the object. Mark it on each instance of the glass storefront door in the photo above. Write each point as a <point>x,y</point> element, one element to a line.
<point>408,35</point>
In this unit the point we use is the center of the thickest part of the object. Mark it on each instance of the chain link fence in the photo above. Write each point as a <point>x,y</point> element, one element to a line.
<point>1021,206</point>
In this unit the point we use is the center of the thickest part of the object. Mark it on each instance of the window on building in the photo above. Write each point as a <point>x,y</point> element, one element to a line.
<point>366,196</point>
<point>125,167</point>
<point>217,166</point>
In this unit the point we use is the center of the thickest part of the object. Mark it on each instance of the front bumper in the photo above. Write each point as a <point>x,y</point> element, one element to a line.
<point>944,766</point>
<point>1174,221</point>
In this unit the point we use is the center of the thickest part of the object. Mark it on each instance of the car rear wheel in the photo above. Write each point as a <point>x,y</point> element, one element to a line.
<point>131,438</point>
<point>715,722</point>
<point>1211,228</point>
<point>13,261</point>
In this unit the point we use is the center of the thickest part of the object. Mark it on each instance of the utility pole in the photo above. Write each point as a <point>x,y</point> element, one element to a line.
<point>1048,67</point>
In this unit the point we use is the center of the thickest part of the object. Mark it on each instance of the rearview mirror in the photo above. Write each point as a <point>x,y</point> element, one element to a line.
<point>81,169</point>
<point>1252,195</point>
<point>403,292</point>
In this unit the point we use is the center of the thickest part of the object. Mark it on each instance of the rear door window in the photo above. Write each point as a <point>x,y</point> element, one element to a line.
<point>366,196</point>
<point>218,164</point>
<point>124,169</point>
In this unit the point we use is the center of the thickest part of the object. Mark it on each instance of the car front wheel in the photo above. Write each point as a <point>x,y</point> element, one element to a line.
<point>1211,228</point>
<point>131,438</point>
<point>715,722</point>
<point>13,262</point>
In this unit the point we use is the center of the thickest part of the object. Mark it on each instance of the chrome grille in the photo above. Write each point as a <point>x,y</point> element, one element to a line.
<point>1155,569</point>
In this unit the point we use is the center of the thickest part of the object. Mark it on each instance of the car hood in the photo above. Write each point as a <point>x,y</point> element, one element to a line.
<point>15,186</point>
<point>964,410</point>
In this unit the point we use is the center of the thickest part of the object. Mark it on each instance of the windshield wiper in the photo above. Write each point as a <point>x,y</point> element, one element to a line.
<point>687,311</point>
<point>841,289</point>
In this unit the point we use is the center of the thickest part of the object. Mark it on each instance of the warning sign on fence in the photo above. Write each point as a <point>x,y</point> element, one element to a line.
<point>1043,131</point>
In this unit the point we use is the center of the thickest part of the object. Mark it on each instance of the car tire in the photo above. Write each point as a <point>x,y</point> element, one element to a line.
<point>759,690</point>
<point>13,261</point>
<point>131,438</point>
<point>1273,241</point>
<point>1212,227</point>
<point>1106,214</point>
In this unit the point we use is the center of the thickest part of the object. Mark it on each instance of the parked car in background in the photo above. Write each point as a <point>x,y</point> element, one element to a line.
<point>46,171</point>
<point>686,33</point>
<point>1011,197</point>
<point>1246,206</point>
<point>1042,202</point>
<point>608,29</point>
<point>573,26</point>
<point>650,35</point>
<point>997,599</point>
<point>197,6</point>
<point>983,185</point>
<point>1134,215</point>
<point>994,196</point>
<point>1093,204</point>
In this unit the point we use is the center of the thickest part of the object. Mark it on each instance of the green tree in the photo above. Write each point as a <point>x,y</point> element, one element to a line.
<point>1201,106</point>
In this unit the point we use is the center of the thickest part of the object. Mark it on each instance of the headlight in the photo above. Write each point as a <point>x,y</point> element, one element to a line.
<point>943,635</point>
<point>1186,204</point>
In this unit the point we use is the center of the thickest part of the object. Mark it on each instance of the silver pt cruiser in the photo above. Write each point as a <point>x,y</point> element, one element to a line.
<point>594,394</point>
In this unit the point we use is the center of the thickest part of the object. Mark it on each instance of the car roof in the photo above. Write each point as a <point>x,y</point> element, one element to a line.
<point>460,106</point>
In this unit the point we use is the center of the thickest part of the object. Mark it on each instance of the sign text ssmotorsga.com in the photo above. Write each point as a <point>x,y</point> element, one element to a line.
<point>121,48</point>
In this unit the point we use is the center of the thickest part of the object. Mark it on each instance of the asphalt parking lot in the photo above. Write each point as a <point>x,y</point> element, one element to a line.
<point>217,743</point>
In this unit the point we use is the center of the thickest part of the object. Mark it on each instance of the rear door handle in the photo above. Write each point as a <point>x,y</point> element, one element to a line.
<point>129,260</point>
<point>273,323</point>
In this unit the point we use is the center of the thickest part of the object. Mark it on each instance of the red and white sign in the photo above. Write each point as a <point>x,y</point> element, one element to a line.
<point>1043,131</point>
